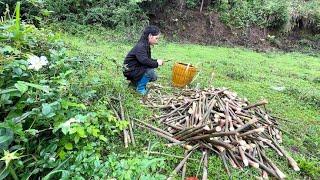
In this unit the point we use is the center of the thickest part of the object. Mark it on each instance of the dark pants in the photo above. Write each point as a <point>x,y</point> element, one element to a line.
<point>150,73</point>
<point>148,76</point>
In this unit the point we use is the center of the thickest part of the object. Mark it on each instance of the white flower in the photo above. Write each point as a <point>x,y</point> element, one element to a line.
<point>43,60</point>
<point>37,63</point>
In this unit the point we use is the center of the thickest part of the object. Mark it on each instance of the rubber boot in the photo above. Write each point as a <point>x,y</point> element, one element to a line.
<point>142,84</point>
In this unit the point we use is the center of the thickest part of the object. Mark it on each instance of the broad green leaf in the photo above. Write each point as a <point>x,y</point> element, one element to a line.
<point>8,49</point>
<point>76,139</point>
<point>36,86</point>
<point>95,132</point>
<point>68,146</point>
<point>6,137</point>
<point>62,154</point>
<point>7,91</point>
<point>18,32</point>
<point>21,87</point>
<point>17,71</point>
<point>46,109</point>
<point>5,99</point>
<point>97,163</point>
<point>102,138</point>
<point>65,130</point>
<point>66,104</point>
<point>81,132</point>
<point>72,130</point>
<point>4,173</point>
<point>21,117</point>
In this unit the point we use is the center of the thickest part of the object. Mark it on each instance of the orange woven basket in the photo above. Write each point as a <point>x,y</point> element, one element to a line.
<point>182,74</point>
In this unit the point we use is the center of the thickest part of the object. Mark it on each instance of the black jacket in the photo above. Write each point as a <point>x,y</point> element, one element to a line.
<point>137,61</point>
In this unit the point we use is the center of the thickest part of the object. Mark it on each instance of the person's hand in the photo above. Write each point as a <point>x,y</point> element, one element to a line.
<point>160,62</point>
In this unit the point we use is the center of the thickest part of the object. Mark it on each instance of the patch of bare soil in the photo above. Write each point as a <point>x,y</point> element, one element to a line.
<point>206,28</point>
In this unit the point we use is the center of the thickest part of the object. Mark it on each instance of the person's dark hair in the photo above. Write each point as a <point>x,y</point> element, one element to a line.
<point>153,30</point>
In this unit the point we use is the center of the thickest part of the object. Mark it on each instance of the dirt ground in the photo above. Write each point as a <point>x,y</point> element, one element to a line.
<point>206,28</point>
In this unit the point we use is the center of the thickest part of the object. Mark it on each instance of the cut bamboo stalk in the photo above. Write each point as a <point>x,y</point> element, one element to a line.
<point>258,130</point>
<point>230,153</point>
<point>131,132</point>
<point>254,120</point>
<point>184,160</point>
<point>222,123</point>
<point>279,173</point>
<point>220,143</point>
<point>224,157</point>
<point>169,155</point>
<point>205,166</point>
<point>218,134</point>
<point>263,102</point>
<point>125,136</point>
<point>188,147</point>
<point>177,143</point>
<point>199,131</point>
<point>243,156</point>
<point>264,175</point>
<point>264,167</point>
<point>266,141</point>
<point>154,128</point>
<point>291,161</point>
<point>200,163</point>
<point>184,169</point>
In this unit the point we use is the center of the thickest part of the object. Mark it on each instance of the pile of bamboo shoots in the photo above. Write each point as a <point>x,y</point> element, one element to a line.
<point>218,121</point>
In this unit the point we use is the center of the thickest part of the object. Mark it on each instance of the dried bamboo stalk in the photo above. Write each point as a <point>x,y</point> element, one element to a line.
<point>184,160</point>
<point>154,128</point>
<point>263,102</point>
<point>205,166</point>
<point>277,170</point>
<point>184,169</point>
<point>221,122</point>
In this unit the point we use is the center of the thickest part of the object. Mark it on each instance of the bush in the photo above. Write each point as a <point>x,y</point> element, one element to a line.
<point>55,116</point>
<point>192,4</point>
<point>32,11</point>
<point>308,14</point>
<point>273,14</point>
<point>39,113</point>
<point>240,14</point>
<point>113,14</point>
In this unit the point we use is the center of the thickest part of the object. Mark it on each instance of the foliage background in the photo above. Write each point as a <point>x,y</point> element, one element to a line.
<point>58,121</point>
<point>277,15</point>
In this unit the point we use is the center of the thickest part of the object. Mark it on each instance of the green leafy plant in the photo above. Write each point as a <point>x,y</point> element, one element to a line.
<point>112,14</point>
<point>38,106</point>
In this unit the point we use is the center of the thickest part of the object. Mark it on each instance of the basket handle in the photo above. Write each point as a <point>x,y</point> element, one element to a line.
<point>185,72</point>
<point>187,69</point>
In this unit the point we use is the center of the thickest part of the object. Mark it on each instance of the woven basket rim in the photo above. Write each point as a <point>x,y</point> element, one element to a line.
<point>184,64</point>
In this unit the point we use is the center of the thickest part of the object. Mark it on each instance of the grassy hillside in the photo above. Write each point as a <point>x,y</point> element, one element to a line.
<point>290,82</point>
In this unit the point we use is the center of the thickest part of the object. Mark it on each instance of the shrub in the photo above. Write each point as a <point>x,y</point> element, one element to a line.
<point>39,113</point>
<point>32,11</point>
<point>240,14</point>
<point>273,14</point>
<point>112,14</point>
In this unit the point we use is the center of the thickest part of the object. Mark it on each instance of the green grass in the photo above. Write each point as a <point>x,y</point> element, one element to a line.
<point>252,75</point>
